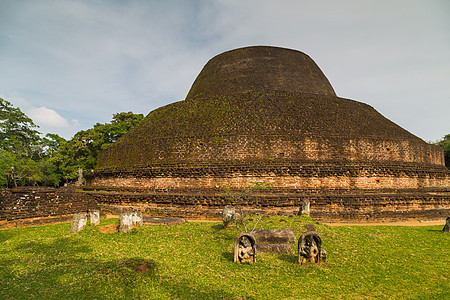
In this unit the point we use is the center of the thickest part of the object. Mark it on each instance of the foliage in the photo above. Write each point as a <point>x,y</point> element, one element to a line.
<point>17,131</point>
<point>445,143</point>
<point>17,170</point>
<point>195,261</point>
<point>26,158</point>
<point>82,150</point>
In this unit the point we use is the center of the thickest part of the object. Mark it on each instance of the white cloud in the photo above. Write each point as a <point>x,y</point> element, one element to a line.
<point>47,117</point>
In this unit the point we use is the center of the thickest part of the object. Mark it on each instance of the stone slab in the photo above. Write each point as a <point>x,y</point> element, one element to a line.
<point>274,248</point>
<point>163,220</point>
<point>274,236</point>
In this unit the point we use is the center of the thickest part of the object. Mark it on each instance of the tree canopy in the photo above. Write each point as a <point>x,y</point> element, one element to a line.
<point>26,158</point>
<point>445,143</point>
<point>82,150</point>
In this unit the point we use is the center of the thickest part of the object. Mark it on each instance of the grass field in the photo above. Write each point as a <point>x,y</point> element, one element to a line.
<point>195,261</point>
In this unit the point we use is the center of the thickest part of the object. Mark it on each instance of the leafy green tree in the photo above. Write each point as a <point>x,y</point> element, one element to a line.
<point>82,150</point>
<point>20,147</point>
<point>51,161</point>
<point>26,158</point>
<point>17,131</point>
<point>7,162</point>
<point>15,170</point>
<point>445,143</point>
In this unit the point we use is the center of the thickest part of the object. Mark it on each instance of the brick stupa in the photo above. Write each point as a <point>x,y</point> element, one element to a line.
<point>269,116</point>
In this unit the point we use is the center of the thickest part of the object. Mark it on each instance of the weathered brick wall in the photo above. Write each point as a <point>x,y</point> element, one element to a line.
<point>280,174</point>
<point>36,202</point>
<point>325,205</point>
<point>289,147</point>
<point>21,204</point>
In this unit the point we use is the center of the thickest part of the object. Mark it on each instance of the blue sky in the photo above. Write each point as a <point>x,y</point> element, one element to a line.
<point>70,64</point>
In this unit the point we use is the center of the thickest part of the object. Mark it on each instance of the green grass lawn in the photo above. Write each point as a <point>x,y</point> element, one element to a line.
<point>195,261</point>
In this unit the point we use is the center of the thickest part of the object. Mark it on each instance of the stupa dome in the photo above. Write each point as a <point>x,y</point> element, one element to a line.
<point>259,69</point>
<point>269,115</point>
<point>260,103</point>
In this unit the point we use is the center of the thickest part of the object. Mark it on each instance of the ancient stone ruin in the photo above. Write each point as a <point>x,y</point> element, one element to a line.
<point>447,225</point>
<point>78,224</point>
<point>269,115</point>
<point>228,216</point>
<point>274,240</point>
<point>245,248</point>
<point>257,115</point>
<point>94,217</point>
<point>305,208</point>
<point>126,222</point>
<point>310,248</point>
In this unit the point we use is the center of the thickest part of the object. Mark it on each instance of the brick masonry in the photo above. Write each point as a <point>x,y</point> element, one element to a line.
<point>38,205</point>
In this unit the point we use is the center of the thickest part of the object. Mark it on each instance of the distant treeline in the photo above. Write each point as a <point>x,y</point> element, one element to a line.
<point>28,158</point>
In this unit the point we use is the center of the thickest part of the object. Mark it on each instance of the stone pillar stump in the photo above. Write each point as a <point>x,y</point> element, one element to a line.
<point>447,225</point>
<point>126,222</point>
<point>137,219</point>
<point>95,217</point>
<point>228,216</point>
<point>304,210</point>
<point>79,221</point>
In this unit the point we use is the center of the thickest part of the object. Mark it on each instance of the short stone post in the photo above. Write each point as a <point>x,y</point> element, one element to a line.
<point>304,210</point>
<point>228,216</point>
<point>79,182</point>
<point>137,219</point>
<point>78,222</point>
<point>95,217</point>
<point>126,222</point>
<point>447,225</point>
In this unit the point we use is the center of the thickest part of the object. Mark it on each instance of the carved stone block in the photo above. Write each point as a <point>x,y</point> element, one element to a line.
<point>228,216</point>
<point>274,248</point>
<point>245,248</point>
<point>126,222</point>
<point>310,248</point>
<point>79,221</point>
<point>95,217</point>
<point>274,236</point>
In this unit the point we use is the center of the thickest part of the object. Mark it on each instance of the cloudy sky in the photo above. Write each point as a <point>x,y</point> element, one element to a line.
<point>69,64</point>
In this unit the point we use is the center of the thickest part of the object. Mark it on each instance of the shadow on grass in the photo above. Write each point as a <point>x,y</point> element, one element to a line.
<point>217,227</point>
<point>290,258</point>
<point>5,235</point>
<point>228,256</point>
<point>68,268</point>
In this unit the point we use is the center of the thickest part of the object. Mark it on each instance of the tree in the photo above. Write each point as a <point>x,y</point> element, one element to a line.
<point>51,160</point>
<point>18,171</point>
<point>445,143</point>
<point>17,131</point>
<point>82,150</point>
<point>26,158</point>
<point>19,145</point>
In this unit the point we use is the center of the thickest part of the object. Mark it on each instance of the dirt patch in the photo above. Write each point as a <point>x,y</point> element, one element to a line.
<point>141,268</point>
<point>108,228</point>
